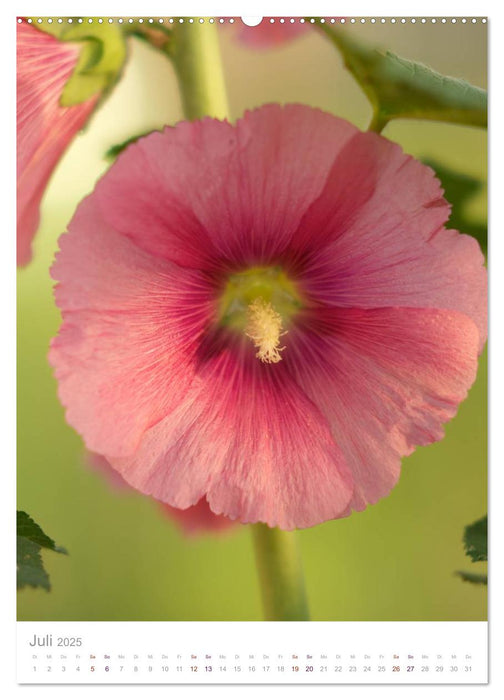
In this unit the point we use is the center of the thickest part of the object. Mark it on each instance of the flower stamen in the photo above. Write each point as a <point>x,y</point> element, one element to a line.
<point>264,328</point>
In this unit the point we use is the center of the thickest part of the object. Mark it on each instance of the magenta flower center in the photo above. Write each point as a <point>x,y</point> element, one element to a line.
<point>259,303</point>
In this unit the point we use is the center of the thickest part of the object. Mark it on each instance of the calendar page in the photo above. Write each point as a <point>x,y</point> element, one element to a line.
<point>252,325</point>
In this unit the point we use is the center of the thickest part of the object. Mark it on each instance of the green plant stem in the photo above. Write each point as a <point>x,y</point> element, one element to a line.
<point>194,50</point>
<point>196,57</point>
<point>280,574</point>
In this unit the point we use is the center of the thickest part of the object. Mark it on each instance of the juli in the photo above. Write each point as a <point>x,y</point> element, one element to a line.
<point>41,641</point>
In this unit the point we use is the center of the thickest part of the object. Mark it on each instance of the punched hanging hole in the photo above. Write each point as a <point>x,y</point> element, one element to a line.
<point>251,21</point>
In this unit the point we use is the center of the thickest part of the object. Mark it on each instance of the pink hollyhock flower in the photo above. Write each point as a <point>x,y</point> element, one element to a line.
<point>195,520</point>
<point>269,315</point>
<point>44,128</point>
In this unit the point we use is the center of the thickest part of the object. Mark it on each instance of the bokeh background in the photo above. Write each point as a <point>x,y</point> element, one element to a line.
<point>127,561</point>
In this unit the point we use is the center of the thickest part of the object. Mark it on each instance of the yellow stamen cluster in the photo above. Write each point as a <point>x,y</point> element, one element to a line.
<point>264,328</point>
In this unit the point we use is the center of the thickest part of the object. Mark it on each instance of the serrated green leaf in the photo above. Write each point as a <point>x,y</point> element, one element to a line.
<point>30,569</point>
<point>458,191</point>
<point>475,540</point>
<point>399,88</point>
<point>30,539</point>
<point>473,578</point>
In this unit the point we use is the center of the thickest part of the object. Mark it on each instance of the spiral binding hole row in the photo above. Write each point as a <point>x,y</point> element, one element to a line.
<point>272,20</point>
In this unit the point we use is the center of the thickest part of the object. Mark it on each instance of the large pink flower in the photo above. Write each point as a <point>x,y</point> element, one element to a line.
<point>44,128</point>
<point>269,315</point>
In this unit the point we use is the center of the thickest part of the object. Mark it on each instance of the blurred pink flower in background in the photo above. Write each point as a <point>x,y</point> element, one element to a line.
<point>44,128</point>
<point>198,519</point>
<point>273,31</point>
<point>268,33</point>
<point>100,465</point>
<point>269,315</point>
<point>195,520</point>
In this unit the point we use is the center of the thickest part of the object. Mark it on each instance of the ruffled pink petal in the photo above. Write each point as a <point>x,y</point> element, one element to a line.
<point>380,238</point>
<point>198,519</point>
<point>211,194</point>
<point>44,128</point>
<point>247,438</point>
<point>386,380</point>
<point>269,34</point>
<point>125,354</point>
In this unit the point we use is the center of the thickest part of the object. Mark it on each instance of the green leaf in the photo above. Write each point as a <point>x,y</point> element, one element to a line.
<point>30,569</point>
<point>101,59</point>
<point>473,578</point>
<point>475,540</point>
<point>459,189</point>
<point>399,88</point>
<point>30,539</point>
<point>28,528</point>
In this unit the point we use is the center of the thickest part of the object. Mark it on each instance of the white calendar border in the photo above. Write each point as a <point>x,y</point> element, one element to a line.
<point>253,652</point>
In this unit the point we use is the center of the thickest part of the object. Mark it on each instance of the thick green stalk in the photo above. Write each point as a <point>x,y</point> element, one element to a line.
<point>280,574</point>
<point>196,56</point>
<point>194,50</point>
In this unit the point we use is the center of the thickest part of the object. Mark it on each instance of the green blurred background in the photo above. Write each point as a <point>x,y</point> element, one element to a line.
<point>127,561</point>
